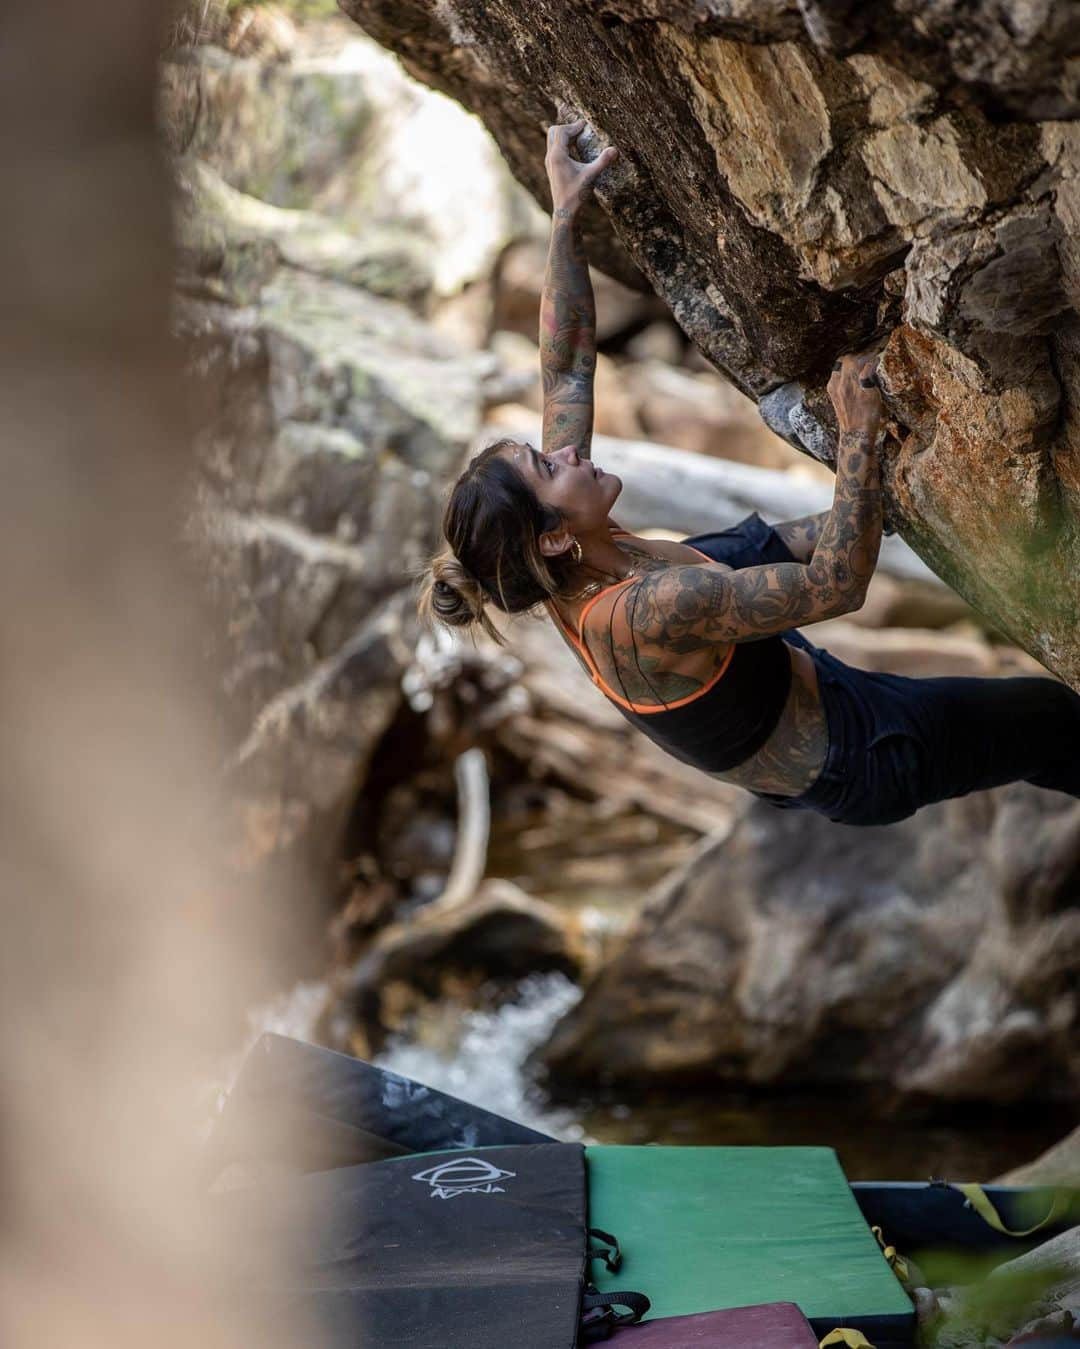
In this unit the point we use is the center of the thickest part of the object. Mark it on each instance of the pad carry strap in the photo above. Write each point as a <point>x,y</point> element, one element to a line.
<point>609,1252</point>
<point>599,1317</point>
<point>638,1303</point>
<point>977,1199</point>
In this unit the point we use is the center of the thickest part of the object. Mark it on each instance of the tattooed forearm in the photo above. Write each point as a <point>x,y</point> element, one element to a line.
<point>684,608</point>
<point>801,536</point>
<point>847,550</point>
<point>567,338</point>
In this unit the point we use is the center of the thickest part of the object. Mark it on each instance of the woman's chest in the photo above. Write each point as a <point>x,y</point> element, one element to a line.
<point>629,658</point>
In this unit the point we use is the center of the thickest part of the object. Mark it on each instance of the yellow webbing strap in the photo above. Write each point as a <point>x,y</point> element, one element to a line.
<point>976,1197</point>
<point>897,1263</point>
<point>854,1339</point>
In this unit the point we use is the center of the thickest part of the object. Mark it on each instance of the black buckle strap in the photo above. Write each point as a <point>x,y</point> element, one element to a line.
<point>599,1317</point>
<point>609,1252</point>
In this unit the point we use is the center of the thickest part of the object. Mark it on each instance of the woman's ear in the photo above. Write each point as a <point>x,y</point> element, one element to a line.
<point>555,542</point>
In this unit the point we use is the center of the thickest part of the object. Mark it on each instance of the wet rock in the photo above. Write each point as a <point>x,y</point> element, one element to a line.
<point>799,951</point>
<point>796,180</point>
<point>497,937</point>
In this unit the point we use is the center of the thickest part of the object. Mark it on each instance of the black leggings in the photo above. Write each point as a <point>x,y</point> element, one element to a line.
<point>896,743</point>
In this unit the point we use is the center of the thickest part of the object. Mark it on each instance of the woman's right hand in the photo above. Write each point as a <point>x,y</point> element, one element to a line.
<point>571,180</point>
<point>854,391</point>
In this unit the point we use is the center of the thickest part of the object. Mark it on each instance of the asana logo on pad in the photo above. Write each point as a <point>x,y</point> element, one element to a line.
<point>463,1175</point>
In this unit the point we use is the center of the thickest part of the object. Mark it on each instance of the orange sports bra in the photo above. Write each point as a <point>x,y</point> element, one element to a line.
<point>718,725</point>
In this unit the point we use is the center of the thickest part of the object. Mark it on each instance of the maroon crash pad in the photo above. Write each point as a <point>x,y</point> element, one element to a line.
<point>776,1325</point>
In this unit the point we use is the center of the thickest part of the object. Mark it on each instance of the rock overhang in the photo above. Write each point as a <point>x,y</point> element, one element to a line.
<point>797,180</point>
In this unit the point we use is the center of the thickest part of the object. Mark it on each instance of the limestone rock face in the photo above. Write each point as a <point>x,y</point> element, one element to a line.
<point>797,180</point>
<point>937,955</point>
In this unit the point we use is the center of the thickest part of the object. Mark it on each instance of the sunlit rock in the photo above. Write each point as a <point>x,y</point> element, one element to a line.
<point>223,225</point>
<point>332,419</point>
<point>336,126</point>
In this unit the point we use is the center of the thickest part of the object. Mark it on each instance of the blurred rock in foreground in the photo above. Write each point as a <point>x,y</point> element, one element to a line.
<point>332,419</point>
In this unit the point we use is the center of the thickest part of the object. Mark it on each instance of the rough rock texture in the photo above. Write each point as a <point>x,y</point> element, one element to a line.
<point>496,937</point>
<point>936,955</point>
<point>337,128</point>
<point>332,419</point>
<point>797,179</point>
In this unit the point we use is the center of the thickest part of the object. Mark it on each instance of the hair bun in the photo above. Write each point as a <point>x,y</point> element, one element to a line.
<point>456,598</point>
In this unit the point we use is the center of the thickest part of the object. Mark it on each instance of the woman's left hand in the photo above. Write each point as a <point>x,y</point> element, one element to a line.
<point>571,180</point>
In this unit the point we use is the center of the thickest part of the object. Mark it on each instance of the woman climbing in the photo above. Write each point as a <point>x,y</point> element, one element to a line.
<point>696,642</point>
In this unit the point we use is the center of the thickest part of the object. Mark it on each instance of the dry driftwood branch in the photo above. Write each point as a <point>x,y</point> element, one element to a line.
<point>474,828</point>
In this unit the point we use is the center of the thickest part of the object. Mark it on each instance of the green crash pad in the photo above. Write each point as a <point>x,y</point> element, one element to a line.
<point>712,1228</point>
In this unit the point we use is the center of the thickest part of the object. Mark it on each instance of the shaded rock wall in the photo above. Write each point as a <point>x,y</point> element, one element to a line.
<point>937,956</point>
<point>797,180</point>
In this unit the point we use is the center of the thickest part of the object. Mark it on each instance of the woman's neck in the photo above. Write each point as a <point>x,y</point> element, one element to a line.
<point>604,563</point>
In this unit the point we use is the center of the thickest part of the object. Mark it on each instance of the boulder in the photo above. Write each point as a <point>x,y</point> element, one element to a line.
<point>920,653</point>
<point>1032,1300</point>
<point>494,938</point>
<point>331,419</point>
<point>658,342</point>
<point>519,283</point>
<point>938,956</point>
<point>1058,1165</point>
<point>703,412</point>
<point>894,603</point>
<point>333,124</point>
<point>796,180</point>
<point>221,230</point>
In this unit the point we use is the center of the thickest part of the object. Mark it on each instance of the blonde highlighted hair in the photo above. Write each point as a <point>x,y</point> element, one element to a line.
<point>492,526</point>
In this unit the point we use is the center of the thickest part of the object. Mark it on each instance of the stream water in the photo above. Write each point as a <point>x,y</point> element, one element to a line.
<point>481,1055</point>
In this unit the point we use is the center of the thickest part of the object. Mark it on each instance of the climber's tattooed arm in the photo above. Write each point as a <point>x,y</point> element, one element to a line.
<point>685,608</point>
<point>567,339</point>
<point>801,536</point>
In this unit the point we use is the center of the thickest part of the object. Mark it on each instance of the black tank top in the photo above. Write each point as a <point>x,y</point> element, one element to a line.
<point>723,723</point>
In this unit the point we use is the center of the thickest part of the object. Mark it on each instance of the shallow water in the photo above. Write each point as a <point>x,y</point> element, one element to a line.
<point>486,1068</point>
<point>977,1145</point>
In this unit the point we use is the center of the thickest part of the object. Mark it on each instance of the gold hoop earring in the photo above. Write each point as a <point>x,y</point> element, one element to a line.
<point>576,553</point>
